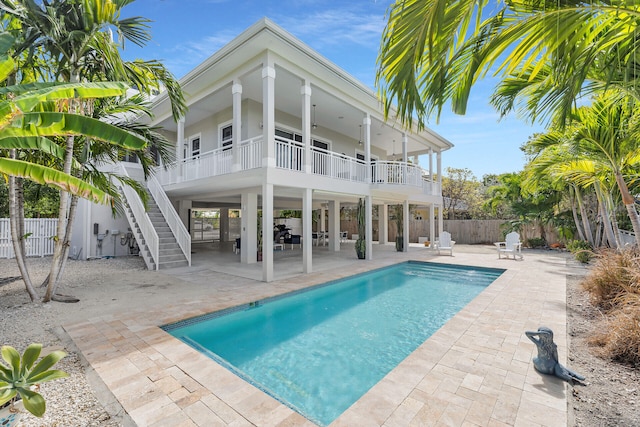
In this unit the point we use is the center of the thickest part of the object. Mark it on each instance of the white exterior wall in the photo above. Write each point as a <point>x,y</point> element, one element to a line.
<point>83,232</point>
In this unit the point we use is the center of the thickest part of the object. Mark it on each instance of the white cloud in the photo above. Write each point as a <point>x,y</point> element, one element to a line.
<point>334,27</point>
<point>186,56</point>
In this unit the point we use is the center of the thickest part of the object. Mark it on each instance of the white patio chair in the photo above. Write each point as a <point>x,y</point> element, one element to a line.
<point>511,246</point>
<point>444,243</point>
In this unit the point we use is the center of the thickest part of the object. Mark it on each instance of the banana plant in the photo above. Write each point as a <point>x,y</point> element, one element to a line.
<point>21,376</point>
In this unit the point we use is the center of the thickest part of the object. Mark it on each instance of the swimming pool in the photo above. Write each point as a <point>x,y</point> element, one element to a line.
<point>320,350</point>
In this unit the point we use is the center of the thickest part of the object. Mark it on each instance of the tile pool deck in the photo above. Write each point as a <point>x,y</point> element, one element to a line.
<point>474,371</point>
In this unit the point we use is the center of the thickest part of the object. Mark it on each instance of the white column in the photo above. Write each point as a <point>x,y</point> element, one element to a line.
<point>431,164</point>
<point>432,224</point>
<point>307,221</point>
<point>439,166</point>
<point>334,225</point>
<point>405,141</point>
<point>236,91</point>
<point>180,148</point>
<point>305,91</point>
<point>405,226</point>
<point>366,122</point>
<point>383,224</point>
<point>268,116</point>
<point>322,219</point>
<point>369,225</point>
<point>267,232</point>
<point>180,140</point>
<point>249,231</point>
<point>184,206</point>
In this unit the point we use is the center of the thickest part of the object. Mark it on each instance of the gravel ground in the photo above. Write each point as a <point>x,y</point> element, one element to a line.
<point>70,401</point>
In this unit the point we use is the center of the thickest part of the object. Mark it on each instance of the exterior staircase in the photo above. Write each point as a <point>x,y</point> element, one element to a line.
<point>160,248</point>
<point>170,255</point>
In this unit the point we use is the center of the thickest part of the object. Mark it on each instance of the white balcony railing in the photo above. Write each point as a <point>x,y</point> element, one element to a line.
<point>336,165</point>
<point>290,155</point>
<point>251,153</point>
<point>392,172</point>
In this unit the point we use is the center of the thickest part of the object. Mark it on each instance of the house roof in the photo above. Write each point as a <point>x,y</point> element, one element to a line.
<point>341,99</point>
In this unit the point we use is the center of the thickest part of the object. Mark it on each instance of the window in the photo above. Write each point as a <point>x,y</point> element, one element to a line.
<point>194,146</point>
<point>226,136</point>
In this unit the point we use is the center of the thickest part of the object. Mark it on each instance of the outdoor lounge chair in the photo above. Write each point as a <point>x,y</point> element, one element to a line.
<point>511,246</point>
<point>445,243</point>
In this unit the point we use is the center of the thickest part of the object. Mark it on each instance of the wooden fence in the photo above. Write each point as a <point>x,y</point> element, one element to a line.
<point>39,241</point>
<point>467,232</point>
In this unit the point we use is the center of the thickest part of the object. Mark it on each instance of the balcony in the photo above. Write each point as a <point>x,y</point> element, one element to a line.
<point>290,155</point>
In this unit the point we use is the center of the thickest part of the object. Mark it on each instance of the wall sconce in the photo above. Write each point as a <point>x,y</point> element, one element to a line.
<point>314,125</point>
<point>261,125</point>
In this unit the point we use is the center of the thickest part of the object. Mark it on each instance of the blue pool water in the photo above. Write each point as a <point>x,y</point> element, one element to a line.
<point>320,350</point>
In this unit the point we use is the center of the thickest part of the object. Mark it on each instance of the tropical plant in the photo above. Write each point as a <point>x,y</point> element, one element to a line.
<point>581,250</point>
<point>30,119</point>
<point>547,54</point>
<point>361,241</point>
<point>75,40</point>
<point>21,376</point>
<point>399,218</point>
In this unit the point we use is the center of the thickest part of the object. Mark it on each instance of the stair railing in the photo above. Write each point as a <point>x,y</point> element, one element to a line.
<point>149,234</point>
<point>180,232</point>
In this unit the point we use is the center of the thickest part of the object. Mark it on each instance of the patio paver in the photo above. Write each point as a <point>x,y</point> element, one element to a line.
<point>474,371</point>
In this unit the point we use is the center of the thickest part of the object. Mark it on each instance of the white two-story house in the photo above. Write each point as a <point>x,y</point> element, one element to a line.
<point>273,125</point>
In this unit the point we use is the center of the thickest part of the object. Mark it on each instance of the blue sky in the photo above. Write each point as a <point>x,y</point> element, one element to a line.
<point>186,32</point>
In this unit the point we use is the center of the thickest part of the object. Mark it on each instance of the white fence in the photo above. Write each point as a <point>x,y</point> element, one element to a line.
<point>40,234</point>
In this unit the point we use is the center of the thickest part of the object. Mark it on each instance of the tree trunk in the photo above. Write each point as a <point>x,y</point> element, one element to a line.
<point>605,215</point>
<point>19,182</point>
<point>629,203</point>
<point>16,237</point>
<point>585,218</point>
<point>574,212</point>
<point>63,213</point>
<point>67,240</point>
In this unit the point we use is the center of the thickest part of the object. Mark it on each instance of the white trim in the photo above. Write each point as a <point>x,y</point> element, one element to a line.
<point>190,140</point>
<point>294,131</point>
<point>373,156</point>
<point>221,126</point>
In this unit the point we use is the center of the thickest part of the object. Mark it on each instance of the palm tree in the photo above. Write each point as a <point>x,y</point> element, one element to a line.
<point>26,126</point>
<point>548,54</point>
<point>76,37</point>
<point>600,150</point>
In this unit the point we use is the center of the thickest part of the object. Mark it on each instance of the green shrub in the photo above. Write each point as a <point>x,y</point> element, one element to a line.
<point>536,242</point>
<point>581,250</point>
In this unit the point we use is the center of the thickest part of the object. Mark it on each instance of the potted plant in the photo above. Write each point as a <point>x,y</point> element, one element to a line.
<point>399,228</point>
<point>20,380</point>
<point>361,244</point>
<point>259,255</point>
